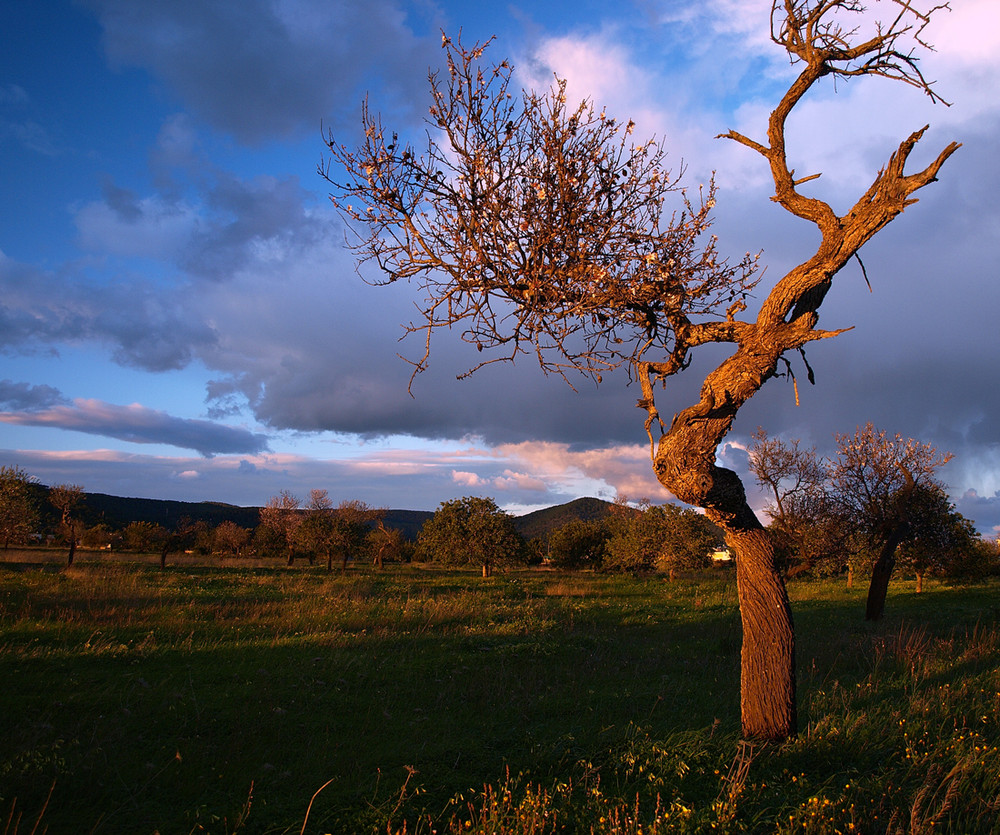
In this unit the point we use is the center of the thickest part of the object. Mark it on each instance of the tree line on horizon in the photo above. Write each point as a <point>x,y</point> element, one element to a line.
<point>873,505</point>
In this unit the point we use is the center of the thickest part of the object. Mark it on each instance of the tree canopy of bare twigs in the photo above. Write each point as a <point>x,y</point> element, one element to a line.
<point>535,225</point>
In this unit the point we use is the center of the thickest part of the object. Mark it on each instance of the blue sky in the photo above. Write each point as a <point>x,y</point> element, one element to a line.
<point>179,317</point>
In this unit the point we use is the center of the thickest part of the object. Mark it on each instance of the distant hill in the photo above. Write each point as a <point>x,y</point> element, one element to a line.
<point>118,511</point>
<point>540,523</point>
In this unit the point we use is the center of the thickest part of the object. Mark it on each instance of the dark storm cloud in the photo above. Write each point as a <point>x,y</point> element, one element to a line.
<point>137,424</point>
<point>264,69</point>
<point>29,398</point>
<point>146,326</point>
<point>250,221</point>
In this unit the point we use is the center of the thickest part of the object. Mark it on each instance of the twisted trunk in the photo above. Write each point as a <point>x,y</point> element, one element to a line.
<point>767,659</point>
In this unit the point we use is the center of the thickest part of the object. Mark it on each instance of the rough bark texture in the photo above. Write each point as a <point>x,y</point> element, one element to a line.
<point>767,660</point>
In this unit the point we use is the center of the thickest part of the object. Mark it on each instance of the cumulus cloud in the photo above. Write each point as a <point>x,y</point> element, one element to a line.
<point>135,424</point>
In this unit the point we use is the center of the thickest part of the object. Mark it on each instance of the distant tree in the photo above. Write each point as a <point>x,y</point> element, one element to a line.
<point>688,539</point>
<point>144,537</point>
<point>281,518</point>
<point>982,562</point>
<point>315,535</point>
<point>182,538</point>
<point>537,228</point>
<point>938,538</point>
<point>352,519</point>
<point>579,544</point>
<point>229,538</point>
<point>666,537</point>
<point>202,538</point>
<point>471,531</point>
<point>384,543</point>
<point>67,498</point>
<point>334,531</point>
<point>809,529</point>
<point>635,537</point>
<point>267,542</point>
<point>785,470</point>
<point>18,512</point>
<point>100,536</point>
<point>873,478</point>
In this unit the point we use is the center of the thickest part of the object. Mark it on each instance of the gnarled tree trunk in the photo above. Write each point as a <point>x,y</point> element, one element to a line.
<point>767,657</point>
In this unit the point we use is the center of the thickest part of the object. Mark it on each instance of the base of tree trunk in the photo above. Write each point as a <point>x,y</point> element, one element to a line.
<point>767,659</point>
<point>881,574</point>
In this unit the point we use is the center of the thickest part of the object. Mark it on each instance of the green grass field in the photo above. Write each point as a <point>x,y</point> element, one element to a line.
<point>221,699</point>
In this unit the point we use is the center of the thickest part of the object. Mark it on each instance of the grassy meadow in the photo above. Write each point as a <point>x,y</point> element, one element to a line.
<point>251,699</point>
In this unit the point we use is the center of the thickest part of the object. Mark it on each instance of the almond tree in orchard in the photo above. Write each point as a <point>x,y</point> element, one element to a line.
<point>539,228</point>
<point>885,484</point>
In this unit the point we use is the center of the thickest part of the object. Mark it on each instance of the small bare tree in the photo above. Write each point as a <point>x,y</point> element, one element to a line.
<point>66,498</point>
<point>543,228</point>
<point>282,517</point>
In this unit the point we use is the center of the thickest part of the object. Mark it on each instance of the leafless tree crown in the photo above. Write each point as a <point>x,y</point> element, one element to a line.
<point>536,226</point>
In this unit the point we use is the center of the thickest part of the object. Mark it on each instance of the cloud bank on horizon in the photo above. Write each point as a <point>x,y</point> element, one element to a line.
<point>173,278</point>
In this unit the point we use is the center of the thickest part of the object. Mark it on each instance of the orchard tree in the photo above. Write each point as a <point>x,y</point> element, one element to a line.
<point>280,518</point>
<point>230,538</point>
<point>579,544</point>
<point>385,543</point>
<point>66,498</point>
<point>875,478</point>
<point>810,530</point>
<point>18,513</point>
<point>539,227</point>
<point>665,537</point>
<point>144,537</point>
<point>352,520</point>
<point>471,531</point>
<point>182,538</point>
<point>635,536</point>
<point>938,536</point>
<point>315,534</point>
<point>101,537</point>
<point>688,539</point>
<point>788,473</point>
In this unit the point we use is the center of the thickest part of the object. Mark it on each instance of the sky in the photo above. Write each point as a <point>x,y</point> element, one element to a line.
<point>180,318</point>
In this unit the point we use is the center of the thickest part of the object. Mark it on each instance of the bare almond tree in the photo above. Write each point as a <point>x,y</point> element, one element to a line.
<point>541,228</point>
<point>66,498</point>
<point>282,516</point>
